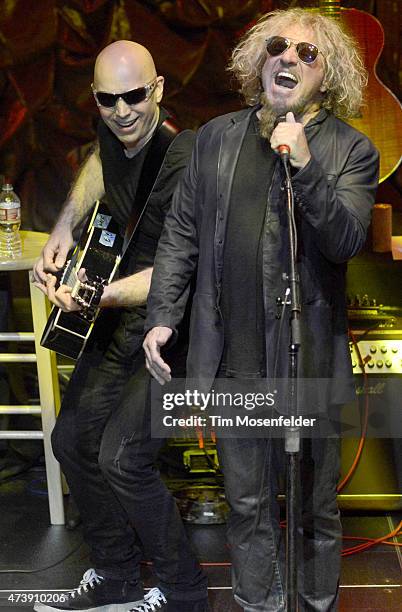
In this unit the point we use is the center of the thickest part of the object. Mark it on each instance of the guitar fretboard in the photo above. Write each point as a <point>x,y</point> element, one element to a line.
<point>69,276</point>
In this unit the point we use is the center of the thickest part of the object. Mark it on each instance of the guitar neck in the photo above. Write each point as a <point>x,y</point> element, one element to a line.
<point>70,276</point>
<point>331,8</point>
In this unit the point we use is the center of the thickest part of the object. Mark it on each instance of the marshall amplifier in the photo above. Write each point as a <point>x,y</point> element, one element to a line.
<point>376,353</point>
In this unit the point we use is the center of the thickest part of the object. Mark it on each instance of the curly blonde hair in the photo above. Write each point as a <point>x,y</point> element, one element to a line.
<point>345,76</point>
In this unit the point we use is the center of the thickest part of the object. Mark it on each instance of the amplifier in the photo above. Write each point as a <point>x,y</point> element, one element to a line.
<point>377,481</point>
<point>380,349</point>
<point>379,356</point>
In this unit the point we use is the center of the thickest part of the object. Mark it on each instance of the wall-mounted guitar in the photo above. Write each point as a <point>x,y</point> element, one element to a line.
<point>99,248</point>
<point>381,116</point>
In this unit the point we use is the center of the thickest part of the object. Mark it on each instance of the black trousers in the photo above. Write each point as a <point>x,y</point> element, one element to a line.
<point>251,469</point>
<point>103,442</point>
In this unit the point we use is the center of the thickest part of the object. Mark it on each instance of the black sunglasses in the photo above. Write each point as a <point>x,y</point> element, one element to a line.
<point>135,96</point>
<point>307,52</point>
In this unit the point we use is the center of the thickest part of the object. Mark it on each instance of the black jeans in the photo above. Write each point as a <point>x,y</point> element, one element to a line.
<point>251,469</point>
<point>103,442</point>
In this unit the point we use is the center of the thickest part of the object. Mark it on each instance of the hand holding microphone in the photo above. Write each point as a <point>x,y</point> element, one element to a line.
<point>289,141</point>
<point>283,149</point>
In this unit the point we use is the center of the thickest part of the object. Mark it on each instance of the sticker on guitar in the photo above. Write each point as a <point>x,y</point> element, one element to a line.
<point>91,267</point>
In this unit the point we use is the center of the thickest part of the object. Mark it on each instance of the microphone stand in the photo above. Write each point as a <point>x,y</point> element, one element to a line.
<point>292,433</point>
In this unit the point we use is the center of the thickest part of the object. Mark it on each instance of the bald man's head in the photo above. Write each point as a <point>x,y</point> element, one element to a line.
<point>121,67</point>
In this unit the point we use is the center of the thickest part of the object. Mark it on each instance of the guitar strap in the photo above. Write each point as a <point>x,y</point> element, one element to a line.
<point>160,142</point>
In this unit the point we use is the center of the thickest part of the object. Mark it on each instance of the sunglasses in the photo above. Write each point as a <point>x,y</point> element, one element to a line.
<point>135,96</point>
<point>307,52</point>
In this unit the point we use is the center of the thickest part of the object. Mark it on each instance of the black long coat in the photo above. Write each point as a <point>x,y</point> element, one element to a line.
<point>334,194</point>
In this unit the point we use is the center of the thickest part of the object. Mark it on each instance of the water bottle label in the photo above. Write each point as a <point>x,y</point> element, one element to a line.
<point>8,215</point>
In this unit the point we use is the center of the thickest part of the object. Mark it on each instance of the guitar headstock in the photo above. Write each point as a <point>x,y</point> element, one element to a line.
<point>87,294</point>
<point>330,8</point>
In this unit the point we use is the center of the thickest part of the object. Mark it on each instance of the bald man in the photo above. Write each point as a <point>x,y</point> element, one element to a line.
<point>102,436</point>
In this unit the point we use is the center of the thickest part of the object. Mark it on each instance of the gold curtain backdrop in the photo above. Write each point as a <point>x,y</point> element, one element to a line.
<point>47,52</point>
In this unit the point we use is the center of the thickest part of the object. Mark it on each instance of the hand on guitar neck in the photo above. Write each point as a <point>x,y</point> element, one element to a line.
<point>62,295</point>
<point>54,254</point>
<point>47,269</point>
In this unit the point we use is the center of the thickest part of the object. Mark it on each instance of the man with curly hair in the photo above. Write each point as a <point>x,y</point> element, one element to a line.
<point>228,223</point>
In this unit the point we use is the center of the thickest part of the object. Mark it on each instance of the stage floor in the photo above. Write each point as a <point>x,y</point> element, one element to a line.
<point>370,581</point>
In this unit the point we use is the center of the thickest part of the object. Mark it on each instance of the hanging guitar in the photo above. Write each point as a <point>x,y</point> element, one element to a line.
<point>381,116</point>
<point>99,252</point>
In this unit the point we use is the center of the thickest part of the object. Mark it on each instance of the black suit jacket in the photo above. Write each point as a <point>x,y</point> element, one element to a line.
<point>334,194</point>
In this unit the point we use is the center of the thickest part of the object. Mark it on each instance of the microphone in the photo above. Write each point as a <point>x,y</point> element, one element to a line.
<point>283,150</point>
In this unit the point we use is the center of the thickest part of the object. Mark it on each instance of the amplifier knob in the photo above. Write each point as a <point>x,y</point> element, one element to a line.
<point>388,363</point>
<point>354,364</point>
<point>371,364</point>
<point>383,349</point>
<point>394,349</point>
<point>373,348</point>
<point>380,363</point>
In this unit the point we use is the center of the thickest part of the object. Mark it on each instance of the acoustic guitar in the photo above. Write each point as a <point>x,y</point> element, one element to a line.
<point>99,252</point>
<point>381,116</point>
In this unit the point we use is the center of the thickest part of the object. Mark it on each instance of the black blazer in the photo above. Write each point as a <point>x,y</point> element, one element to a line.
<point>334,195</point>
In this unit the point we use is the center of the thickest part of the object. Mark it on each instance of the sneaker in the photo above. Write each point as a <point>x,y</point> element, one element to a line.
<point>154,600</point>
<point>97,593</point>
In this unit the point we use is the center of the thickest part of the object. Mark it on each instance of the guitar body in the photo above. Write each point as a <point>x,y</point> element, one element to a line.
<point>381,118</point>
<point>381,115</point>
<point>99,253</point>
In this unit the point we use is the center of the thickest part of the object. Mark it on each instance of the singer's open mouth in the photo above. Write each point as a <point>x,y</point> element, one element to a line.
<point>286,79</point>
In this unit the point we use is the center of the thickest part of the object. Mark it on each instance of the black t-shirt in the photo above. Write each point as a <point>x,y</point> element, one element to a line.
<point>121,174</point>
<point>121,177</point>
<point>242,282</point>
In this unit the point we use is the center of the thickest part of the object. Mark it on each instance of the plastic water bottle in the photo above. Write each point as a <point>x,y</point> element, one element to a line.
<point>10,221</point>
